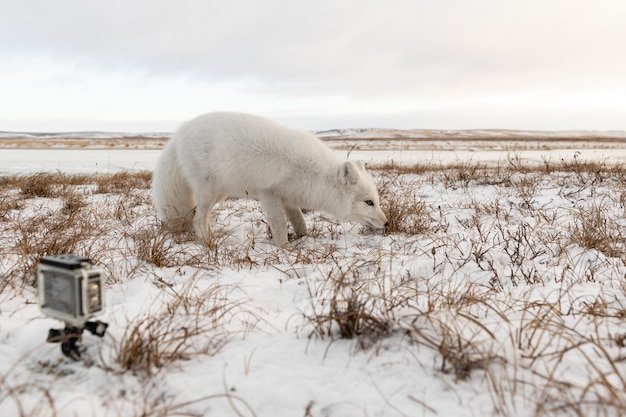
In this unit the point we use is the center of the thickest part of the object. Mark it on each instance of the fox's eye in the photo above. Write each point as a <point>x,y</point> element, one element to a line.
<point>369,202</point>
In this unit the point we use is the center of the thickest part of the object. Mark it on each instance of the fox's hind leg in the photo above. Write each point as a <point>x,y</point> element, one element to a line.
<point>294,214</point>
<point>171,193</point>
<point>201,222</point>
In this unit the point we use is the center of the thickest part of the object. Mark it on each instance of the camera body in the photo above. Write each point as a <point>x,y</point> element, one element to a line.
<point>71,288</point>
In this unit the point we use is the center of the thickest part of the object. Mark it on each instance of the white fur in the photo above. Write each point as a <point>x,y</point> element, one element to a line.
<point>219,155</point>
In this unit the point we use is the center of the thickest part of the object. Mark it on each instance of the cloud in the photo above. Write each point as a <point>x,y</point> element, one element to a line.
<point>349,54</point>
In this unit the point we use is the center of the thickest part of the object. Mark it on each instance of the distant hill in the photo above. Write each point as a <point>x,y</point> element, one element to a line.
<point>472,134</point>
<point>83,135</point>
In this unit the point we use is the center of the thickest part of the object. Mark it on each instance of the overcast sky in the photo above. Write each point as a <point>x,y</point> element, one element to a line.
<point>138,65</point>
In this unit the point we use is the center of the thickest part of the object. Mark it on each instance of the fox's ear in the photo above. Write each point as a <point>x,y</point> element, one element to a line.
<point>349,173</point>
<point>359,164</point>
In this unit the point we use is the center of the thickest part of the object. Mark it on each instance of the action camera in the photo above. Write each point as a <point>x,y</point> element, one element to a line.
<point>71,289</point>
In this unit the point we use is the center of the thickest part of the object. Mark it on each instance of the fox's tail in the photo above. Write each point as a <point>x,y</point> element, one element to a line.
<point>171,194</point>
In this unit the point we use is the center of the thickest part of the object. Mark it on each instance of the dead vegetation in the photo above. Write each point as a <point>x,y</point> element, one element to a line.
<point>190,323</point>
<point>87,142</point>
<point>483,267</point>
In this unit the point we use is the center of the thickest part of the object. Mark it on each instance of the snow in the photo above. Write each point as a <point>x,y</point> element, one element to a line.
<point>97,161</point>
<point>107,161</point>
<point>530,350</point>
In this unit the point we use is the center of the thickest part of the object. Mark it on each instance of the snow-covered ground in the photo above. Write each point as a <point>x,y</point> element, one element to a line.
<point>105,161</point>
<point>487,303</point>
<point>97,161</point>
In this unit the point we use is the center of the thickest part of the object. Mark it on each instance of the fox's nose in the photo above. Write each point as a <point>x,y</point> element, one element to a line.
<point>386,225</point>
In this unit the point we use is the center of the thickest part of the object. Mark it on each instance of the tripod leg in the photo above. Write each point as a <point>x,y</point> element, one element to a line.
<point>69,347</point>
<point>97,328</point>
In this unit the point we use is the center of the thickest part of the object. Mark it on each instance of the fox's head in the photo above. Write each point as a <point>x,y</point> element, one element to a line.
<point>363,196</point>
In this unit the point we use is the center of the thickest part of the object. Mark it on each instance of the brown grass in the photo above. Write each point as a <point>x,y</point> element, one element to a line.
<point>347,309</point>
<point>190,324</point>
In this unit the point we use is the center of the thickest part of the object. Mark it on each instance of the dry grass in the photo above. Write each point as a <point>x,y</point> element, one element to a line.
<point>121,182</point>
<point>348,309</point>
<point>190,324</point>
<point>126,142</point>
<point>594,228</point>
<point>406,212</point>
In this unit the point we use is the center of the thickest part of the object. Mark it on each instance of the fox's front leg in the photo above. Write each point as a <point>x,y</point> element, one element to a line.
<point>276,216</point>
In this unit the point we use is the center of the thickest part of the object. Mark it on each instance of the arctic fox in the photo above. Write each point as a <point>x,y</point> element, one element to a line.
<point>219,155</point>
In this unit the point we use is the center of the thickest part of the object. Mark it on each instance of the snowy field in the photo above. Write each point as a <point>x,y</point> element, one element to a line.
<point>500,290</point>
<point>109,161</point>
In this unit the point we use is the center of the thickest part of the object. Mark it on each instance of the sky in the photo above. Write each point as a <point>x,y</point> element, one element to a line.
<point>139,65</point>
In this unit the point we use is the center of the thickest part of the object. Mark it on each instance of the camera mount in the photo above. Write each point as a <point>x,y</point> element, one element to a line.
<point>71,335</point>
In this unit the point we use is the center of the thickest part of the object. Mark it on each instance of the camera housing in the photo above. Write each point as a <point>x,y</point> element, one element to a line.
<point>71,288</point>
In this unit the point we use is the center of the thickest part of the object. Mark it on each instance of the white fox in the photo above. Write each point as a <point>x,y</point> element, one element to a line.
<point>219,155</point>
